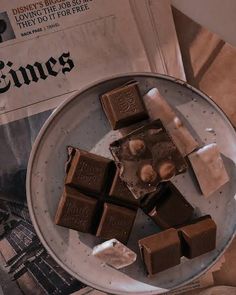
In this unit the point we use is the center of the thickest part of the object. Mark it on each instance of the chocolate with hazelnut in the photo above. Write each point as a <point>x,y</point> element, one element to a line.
<point>146,157</point>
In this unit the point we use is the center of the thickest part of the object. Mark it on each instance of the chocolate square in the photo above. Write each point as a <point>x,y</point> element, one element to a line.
<point>160,251</point>
<point>76,210</point>
<point>88,172</point>
<point>116,222</point>
<point>124,106</point>
<point>120,193</point>
<point>171,208</point>
<point>198,238</point>
<point>146,157</point>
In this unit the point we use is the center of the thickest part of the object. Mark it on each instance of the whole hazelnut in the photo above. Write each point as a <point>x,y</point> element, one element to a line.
<point>136,147</point>
<point>178,123</point>
<point>166,170</point>
<point>148,174</point>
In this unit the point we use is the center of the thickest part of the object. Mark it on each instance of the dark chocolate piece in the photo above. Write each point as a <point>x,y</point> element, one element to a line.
<point>160,251</point>
<point>198,238</point>
<point>120,193</point>
<point>171,208</point>
<point>148,202</point>
<point>124,106</point>
<point>88,172</point>
<point>147,157</point>
<point>116,222</point>
<point>76,210</point>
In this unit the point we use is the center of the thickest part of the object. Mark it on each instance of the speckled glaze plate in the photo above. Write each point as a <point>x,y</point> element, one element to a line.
<point>80,122</point>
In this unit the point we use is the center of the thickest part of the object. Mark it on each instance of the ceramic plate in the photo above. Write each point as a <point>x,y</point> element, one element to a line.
<point>81,122</point>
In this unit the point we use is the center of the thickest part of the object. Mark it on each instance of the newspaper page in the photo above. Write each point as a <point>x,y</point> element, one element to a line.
<point>50,49</point>
<point>159,37</point>
<point>53,47</point>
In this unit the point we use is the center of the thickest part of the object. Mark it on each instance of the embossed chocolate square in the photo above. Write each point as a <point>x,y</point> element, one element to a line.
<point>146,157</point>
<point>88,172</point>
<point>123,106</point>
<point>76,210</point>
<point>116,222</point>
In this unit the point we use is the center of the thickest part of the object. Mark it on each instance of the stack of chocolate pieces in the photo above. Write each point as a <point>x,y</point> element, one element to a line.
<point>165,249</point>
<point>101,197</point>
<point>94,199</point>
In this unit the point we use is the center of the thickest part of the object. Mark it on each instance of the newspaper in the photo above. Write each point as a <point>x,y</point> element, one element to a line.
<point>51,48</point>
<point>57,48</point>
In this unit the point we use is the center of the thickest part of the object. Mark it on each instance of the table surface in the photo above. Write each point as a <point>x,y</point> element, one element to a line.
<point>216,15</point>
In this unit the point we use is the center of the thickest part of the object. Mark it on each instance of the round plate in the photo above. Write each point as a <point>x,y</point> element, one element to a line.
<point>81,122</point>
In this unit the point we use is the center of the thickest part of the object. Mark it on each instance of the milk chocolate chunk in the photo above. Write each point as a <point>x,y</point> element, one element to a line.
<point>171,208</point>
<point>76,210</point>
<point>120,193</point>
<point>116,222</point>
<point>88,172</point>
<point>114,253</point>
<point>157,159</point>
<point>198,238</point>
<point>124,106</point>
<point>158,107</point>
<point>160,251</point>
<point>209,168</point>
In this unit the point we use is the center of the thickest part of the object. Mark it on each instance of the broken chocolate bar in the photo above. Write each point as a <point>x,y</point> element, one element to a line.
<point>171,208</point>
<point>114,253</point>
<point>124,106</point>
<point>146,157</point>
<point>120,193</point>
<point>116,222</point>
<point>159,108</point>
<point>198,237</point>
<point>160,251</point>
<point>88,172</point>
<point>76,210</point>
<point>209,168</point>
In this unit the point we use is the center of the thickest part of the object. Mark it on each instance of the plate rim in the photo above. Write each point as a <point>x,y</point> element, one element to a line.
<point>43,130</point>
